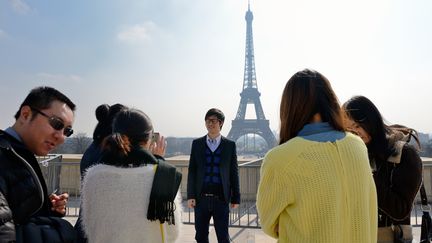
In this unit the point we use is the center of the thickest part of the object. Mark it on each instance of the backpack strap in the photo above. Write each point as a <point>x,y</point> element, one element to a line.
<point>424,200</point>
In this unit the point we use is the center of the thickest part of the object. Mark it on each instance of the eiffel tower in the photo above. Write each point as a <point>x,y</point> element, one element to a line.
<point>250,95</point>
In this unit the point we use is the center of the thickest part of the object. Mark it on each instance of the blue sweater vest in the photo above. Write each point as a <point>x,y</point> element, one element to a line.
<point>212,178</point>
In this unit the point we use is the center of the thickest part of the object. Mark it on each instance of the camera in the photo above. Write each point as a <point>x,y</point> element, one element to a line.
<point>155,137</point>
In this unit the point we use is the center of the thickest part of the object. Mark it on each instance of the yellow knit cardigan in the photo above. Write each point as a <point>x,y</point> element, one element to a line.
<point>318,192</point>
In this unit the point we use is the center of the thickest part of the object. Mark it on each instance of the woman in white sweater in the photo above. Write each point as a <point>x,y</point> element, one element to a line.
<point>131,195</point>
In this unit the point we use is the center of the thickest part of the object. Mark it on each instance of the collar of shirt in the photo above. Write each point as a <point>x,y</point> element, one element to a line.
<point>320,132</point>
<point>216,141</point>
<point>13,133</point>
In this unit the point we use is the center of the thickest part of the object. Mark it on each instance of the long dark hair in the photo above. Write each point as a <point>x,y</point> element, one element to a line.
<point>361,110</point>
<point>307,93</point>
<point>131,128</point>
<point>364,112</point>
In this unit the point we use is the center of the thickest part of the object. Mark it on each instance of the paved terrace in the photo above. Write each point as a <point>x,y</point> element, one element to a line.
<point>238,235</point>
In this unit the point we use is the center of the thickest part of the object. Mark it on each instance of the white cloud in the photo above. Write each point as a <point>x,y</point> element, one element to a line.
<point>137,33</point>
<point>59,78</point>
<point>20,6</point>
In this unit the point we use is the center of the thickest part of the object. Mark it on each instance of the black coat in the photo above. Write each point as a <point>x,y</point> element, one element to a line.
<point>90,157</point>
<point>397,185</point>
<point>7,227</point>
<point>228,170</point>
<point>23,191</point>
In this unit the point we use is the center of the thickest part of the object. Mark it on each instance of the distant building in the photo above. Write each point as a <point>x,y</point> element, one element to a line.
<point>178,146</point>
<point>424,138</point>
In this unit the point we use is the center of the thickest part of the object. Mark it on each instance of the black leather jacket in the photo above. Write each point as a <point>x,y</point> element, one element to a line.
<point>7,227</point>
<point>397,185</point>
<point>23,192</point>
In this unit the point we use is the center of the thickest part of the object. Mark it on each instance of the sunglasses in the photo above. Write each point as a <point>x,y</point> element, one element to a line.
<point>56,123</point>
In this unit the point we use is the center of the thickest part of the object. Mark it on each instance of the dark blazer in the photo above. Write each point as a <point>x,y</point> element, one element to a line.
<point>228,169</point>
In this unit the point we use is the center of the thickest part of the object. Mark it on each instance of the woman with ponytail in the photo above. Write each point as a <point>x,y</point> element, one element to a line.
<point>104,115</point>
<point>130,196</point>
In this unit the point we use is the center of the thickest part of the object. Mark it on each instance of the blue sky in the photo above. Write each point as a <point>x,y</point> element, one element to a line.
<point>175,59</point>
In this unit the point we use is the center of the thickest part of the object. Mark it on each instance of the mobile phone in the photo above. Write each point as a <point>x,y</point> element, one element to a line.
<point>155,137</point>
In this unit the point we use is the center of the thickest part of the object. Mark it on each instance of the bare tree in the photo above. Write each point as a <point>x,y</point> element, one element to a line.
<point>81,143</point>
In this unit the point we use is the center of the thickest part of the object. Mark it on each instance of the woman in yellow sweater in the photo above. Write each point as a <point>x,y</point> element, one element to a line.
<point>316,186</point>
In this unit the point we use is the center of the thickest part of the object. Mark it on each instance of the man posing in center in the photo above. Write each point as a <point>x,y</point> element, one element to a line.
<point>213,180</point>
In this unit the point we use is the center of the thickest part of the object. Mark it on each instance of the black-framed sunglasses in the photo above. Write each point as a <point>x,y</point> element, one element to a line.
<point>56,123</point>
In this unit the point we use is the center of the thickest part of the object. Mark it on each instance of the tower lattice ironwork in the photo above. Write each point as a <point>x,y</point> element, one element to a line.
<point>250,95</point>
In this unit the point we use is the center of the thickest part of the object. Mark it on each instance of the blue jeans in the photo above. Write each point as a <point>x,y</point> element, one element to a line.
<point>206,208</point>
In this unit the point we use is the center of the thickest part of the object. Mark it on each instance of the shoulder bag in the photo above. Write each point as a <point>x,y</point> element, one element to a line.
<point>426,226</point>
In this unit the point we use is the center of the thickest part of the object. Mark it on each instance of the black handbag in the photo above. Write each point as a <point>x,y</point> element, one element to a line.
<point>426,226</point>
<point>45,229</point>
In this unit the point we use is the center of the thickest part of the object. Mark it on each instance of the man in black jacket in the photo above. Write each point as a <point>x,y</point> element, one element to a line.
<point>213,179</point>
<point>43,121</point>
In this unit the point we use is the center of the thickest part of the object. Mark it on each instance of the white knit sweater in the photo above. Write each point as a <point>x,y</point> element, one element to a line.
<point>114,206</point>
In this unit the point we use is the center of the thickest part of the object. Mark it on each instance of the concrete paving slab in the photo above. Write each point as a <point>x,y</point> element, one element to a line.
<point>238,235</point>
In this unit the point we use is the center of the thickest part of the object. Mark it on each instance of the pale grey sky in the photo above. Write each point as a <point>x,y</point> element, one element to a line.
<point>175,59</point>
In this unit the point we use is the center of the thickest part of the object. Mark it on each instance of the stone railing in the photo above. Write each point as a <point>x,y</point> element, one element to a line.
<point>64,174</point>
